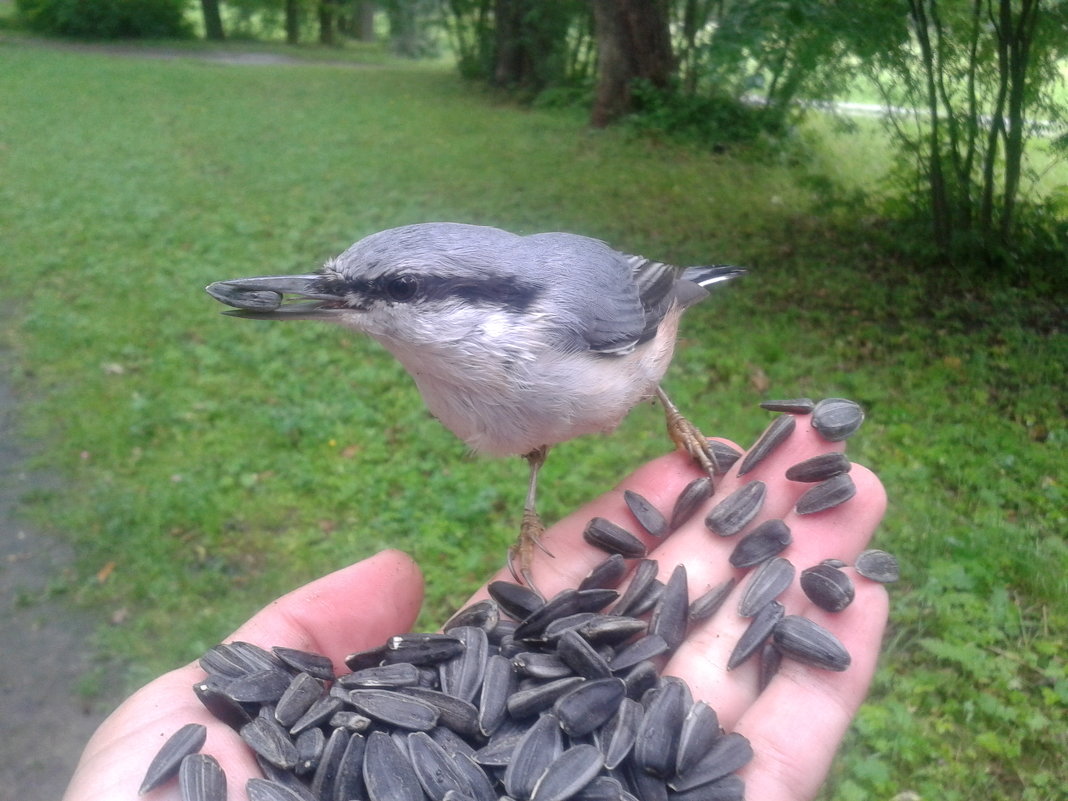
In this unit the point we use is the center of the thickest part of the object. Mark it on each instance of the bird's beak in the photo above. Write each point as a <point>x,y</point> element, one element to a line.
<point>264,298</point>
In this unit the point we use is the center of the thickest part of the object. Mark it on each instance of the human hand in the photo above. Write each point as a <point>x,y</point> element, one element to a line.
<point>794,725</point>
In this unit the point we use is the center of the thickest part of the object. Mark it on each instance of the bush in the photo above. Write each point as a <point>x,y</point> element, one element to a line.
<point>106,19</point>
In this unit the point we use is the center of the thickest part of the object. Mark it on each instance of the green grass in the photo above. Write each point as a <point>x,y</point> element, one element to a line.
<point>211,463</point>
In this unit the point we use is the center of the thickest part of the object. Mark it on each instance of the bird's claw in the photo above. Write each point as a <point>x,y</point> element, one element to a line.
<point>522,552</point>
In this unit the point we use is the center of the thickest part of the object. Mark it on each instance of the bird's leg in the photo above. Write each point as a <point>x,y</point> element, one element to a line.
<point>686,435</point>
<point>532,528</point>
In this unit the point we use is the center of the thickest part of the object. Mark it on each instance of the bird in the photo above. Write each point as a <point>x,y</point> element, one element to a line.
<point>515,342</point>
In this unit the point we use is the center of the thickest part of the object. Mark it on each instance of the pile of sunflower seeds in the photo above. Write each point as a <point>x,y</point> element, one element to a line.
<point>525,699</point>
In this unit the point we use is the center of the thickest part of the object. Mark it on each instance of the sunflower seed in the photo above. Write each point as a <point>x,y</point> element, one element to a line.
<point>648,599</point>
<point>310,744</point>
<point>834,562</point>
<point>537,665</point>
<point>315,665</point>
<point>612,630</point>
<point>826,495</point>
<point>657,744</point>
<point>645,786</point>
<point>484,614</point>
<point>616,737</point>
<point>398,674</point>
<point>536,750</point>
<point>774,435</point>
<point>645,513</point>
<point>261,687</point>
<point>395,709</point>
<point>266,790</point>
<point>581,657</point>
<point>793,405</point>
<point>302,692</point>
<point>727,788</point>
<point>693,495</point>
<point>878,566</point>
<point>589,705</point>
<point>734,512</point>
<point>568,602</point>
<point>348,775</point>
<point>827,587</point>
<point>187,740</point>
<point>497,684</point>
<point>706,605</point>
<point>638,651</point>
<point>478,785</point>
<point>613,538</point>
<point>365,659</point>
<point>725,455</point>
<point>422,649</point>
<point>219,704</point>
<point>669,616</point>
<point>729,753</point>
<point>461,676</point>
<point>270,741</point>
<point>349,720</point>
<point>605,574</point>
<point>758,631</point>
<point>766,584</point>
<point>819,468</point>
<point>837,418</point>
<point>434,767</point>
<point>602,788</point>
<point>455,713</point>
<point>700,729</point>
<point>319,712</point>
<point>808,642</point>
<point>516,600</point>
<point>201,778</point>
<point>640,678</point>
<point>568,774</point>
<point>555,630</point>
<point>770,659</point>
<point>531,701</point>
<point>768,539</point>
<point>644,574</point>
<point>388,774</point>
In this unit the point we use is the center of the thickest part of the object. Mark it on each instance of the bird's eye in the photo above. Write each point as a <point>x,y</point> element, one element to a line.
<point>402,288</point>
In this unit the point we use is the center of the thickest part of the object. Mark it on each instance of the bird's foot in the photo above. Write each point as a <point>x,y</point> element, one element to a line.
<point>521,555</point>
<point>688,438</point>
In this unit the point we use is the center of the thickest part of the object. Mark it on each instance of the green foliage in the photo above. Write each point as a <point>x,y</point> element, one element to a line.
<point>210,464</point>
<point>106,19</point>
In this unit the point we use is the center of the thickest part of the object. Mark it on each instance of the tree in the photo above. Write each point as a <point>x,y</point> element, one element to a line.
<point>213,27</point>
<point>633,44</point>
<point>292,15</point>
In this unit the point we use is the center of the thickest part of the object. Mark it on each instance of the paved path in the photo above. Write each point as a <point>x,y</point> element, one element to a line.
<point>44,723</point>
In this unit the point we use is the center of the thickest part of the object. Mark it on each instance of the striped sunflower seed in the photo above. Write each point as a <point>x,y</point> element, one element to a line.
<point>827,587</point>
<point>484,614</point>
<point>266,790</point>
<point>515,599</point>
<point>657,745</point>
<point>806,641</point>
<point>695,493</point>
<point>878,566</point>
<point>537,749</point>
<point>770,659</point>
<point>394,709</point>
<point>201,778</point>
<point>700,730</point>
<point>315,665</point>
<point>435,768</point>
<point>461,676</point>
<point>647,515</point>
<point>826,495</point>
<point>187,740</point>
<point>837,418</point>
<point>819,468</point>
<point>793,405</point>
<point>757,633</point>
<point>269,740</point>
<point>606,574</point>
<point>616,738</point>
<point>568,774</point>
<point>768,539</point>
<point>774,435</point>
<point>669,615</point>
<point>388,773</point>
<point>706,605</point>
<point>734,512</point>
<point>729,753</point>
<point>613,538</point>
<point>589,705</point>
<point>303,691</point>
<point>765,585</point>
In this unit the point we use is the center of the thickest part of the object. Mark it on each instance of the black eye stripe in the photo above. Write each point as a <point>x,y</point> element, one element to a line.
<point>507,293</point>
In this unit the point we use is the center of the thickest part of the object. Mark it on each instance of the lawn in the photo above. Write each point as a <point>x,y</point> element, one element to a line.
<point>212,463</point>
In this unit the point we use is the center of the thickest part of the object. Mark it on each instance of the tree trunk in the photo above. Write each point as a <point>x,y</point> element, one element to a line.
<point>1020,35</point>
<point>326,22</point>
<point>213,28</point>
<point>292,21</point>
<point>365,21</point>
<point>633,44</point>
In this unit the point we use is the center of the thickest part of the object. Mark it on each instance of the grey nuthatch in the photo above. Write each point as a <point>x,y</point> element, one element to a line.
<point>515,342</point>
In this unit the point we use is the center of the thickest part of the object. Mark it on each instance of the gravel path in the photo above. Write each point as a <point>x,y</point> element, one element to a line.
<point>44,723</point>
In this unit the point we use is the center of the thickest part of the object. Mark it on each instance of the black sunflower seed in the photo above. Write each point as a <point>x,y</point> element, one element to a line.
<point>645,513</point>
<point>461,676</point>
<point>837,418</point>
<point>755,635</point>
<point>537,749</point>
<point>819,468</point>
<point>644,574</point>
<point>765,585</point>
<point>455,713</point>
<point>187,740</point>
<point>531,701</point>
<point>421,649</point>
<point>498,683</point>
<point>734,512</point>
<point>612,538</point>
<point>609,629</point>
<point>648,599</point>
<point>269,740</point>
<point>348,773</point>
<point>515,599</point>
<point>726,788</point>
<point>606,574</point>
<point>261,687</point>
<point>700,729</point>
<point>826,495</point>
<point>581,657</point>
<point>706,605</point>
<point>768,539</point>
<point>640,679</point>
<point>538,665</point>
<point>388,774</point>
<point>793,405</point>
<point>878,566</point>
<point>657,745</point>
<point>770,659</point>
<point>303,691</point>
<point>484,614</point>
<point>435,768</point>
<point>728,754</point>
<point>394,709</point>
<point>201,778</point>
<point>266,790</point>
<point>568,774</point>
<point>219,704</point>
<point>669,615</point>
<point>693,495</point>
<point>310,744</point>
<point>827,587</point>
<point>563,604</point>
<point>616,737</point>
<point>315,665</point>
<point>588,705</point>
<point>801,639</point>
<point>319,712</point>
<point>638,651</point>
<point>398,674</point>
<point>774,435</point>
